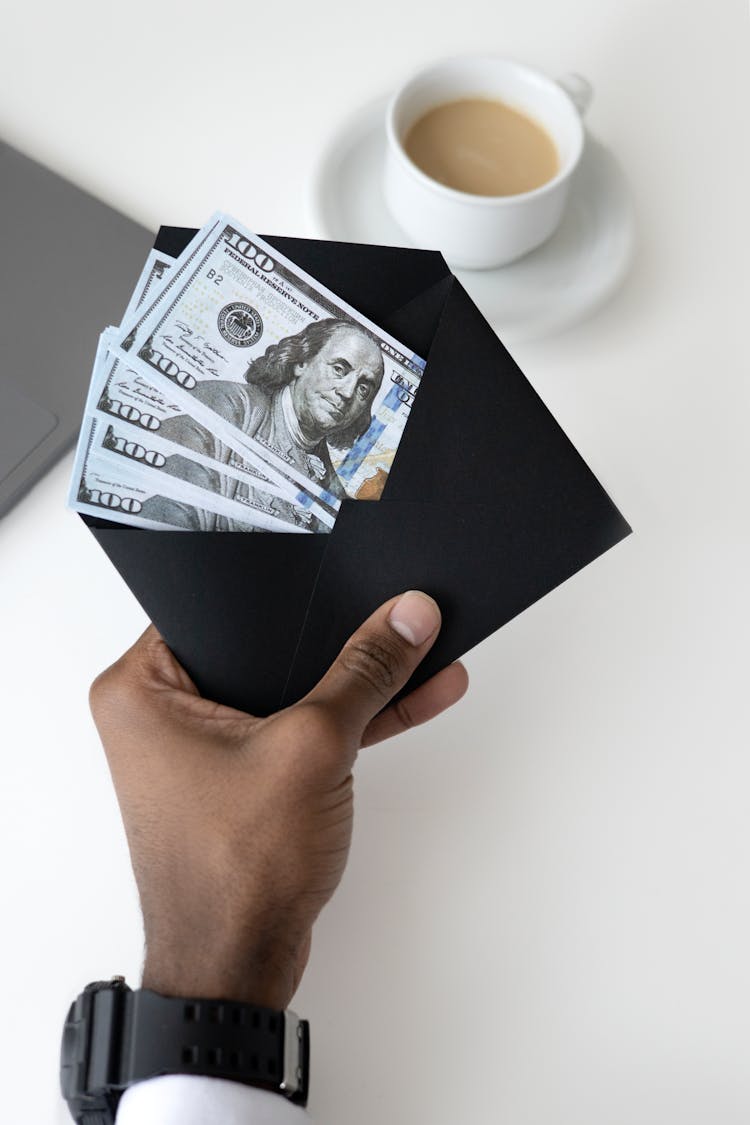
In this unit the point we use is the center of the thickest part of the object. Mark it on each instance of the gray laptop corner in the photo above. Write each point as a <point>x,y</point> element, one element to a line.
<point>68,266</point>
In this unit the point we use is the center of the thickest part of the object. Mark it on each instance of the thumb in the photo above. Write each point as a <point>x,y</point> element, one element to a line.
<point>378,659</point>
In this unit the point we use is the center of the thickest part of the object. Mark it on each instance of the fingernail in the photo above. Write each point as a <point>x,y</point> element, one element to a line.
<point>415,617</point>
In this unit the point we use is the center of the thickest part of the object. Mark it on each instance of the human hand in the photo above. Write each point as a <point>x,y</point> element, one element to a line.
<point>238,827</point>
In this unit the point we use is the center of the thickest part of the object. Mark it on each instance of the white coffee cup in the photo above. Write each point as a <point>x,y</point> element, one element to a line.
<point>480,231</point>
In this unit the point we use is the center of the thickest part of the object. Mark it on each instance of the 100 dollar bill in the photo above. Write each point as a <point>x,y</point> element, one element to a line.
<point>113,492</point>
<point>190,495</point>
<point>119,393</point>
<point>288,376</point>
<point>189,480</point>
<point>122,396</point>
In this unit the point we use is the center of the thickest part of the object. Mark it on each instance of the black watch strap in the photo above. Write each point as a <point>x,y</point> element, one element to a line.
<point>114,1037</point>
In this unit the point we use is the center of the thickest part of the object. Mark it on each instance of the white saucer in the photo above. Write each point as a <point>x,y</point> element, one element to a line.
<point>565,279</point>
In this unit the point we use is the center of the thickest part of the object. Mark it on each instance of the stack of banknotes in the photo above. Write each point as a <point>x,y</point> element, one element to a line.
<point>239,394</point>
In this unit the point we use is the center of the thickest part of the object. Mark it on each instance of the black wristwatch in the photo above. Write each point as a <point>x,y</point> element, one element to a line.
<point>115,1036</point>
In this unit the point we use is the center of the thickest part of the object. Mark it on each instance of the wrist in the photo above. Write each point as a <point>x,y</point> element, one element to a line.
<point>244,979</point>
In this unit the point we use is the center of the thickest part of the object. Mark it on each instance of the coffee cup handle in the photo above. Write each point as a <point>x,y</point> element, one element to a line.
<point>578,89</point>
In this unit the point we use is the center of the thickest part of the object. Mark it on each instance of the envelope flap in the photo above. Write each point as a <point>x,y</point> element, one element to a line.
<point>483,562</point>
<point>416,322</point>
<point>488,506</point>
<point>478,426</point>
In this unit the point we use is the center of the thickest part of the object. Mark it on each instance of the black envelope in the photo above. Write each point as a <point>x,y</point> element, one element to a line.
<point>488,506</point>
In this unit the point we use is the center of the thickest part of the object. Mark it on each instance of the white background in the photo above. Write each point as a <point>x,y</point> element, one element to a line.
<point>546,916</point>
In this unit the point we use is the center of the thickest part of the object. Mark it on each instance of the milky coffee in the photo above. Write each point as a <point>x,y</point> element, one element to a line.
<point>483,147</point>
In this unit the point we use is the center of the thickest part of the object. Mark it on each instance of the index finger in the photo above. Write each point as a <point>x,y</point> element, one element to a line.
<point>440,692</point>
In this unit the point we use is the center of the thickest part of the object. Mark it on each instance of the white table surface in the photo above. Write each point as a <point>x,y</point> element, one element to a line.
<point>546,915</point>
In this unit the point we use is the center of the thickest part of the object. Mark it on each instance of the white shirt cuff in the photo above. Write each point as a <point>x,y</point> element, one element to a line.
<point>186,1099</point>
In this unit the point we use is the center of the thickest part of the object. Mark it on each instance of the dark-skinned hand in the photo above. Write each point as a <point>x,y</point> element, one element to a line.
<point>239,827</point>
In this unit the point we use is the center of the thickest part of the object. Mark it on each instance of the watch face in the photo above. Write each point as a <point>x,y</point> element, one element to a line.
<point>90,1020</point>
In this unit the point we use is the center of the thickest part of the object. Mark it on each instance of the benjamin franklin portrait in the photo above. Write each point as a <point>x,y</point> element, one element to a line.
<point>308,392</point>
